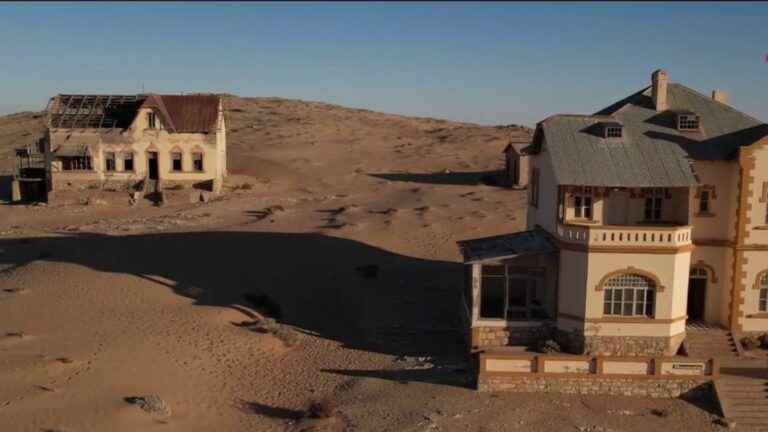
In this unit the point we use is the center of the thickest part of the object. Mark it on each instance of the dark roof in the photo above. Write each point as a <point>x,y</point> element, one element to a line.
<point>181,113</point>
<point>506,246</point>
<point>652,152</point>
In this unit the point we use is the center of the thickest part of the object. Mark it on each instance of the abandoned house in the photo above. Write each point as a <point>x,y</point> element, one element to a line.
<point>517,161</point>
<point>131,141</point>
<point>645,219</point>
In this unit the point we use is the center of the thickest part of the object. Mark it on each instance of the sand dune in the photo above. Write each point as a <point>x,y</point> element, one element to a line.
<point>331,280</point>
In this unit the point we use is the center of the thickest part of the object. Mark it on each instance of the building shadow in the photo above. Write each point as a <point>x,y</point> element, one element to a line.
<point>408,307</point>
<point>465,178</point>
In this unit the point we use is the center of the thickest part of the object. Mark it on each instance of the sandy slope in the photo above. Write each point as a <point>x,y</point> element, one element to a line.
<point>99,303</point>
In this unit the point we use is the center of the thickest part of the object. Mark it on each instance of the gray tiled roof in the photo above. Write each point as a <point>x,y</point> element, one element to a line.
<point>652,152</point>
<point>506,246</point>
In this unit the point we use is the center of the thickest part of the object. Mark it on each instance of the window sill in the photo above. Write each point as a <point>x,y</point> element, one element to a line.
<point>705,215</point>
<point>759,315</point>
<point>577,221</point>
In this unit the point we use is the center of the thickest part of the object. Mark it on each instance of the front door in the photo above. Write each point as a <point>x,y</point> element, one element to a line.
<point>697,288</point>
<point>152,165</point>
<point>618,208</point>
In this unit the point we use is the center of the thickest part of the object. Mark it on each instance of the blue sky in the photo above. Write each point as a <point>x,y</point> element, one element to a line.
<point>491,63</point>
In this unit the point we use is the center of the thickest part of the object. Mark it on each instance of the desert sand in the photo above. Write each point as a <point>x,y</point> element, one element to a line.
<point>320,292</point>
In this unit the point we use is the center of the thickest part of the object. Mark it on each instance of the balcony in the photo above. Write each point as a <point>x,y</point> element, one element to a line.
<point>673,236</point>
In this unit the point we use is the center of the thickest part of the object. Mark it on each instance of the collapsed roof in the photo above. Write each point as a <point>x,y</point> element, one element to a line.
<point>652,151</point>
<point>180,113</point>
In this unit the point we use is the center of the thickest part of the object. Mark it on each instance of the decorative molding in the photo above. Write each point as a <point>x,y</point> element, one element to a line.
<point>710,270</point>
<point>631,270</point>
<point>758,279</point>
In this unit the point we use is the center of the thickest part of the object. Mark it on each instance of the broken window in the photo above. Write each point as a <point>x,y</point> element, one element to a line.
<point>109,161</point>
<point>582,200</point>
<point>151,120</point>
<point>629,294</point>
<point>688,122</point>
<point>197,161</point>
<point>128,161</point>
<point>176,161</point>
<point>511,294</point>
<point>75,163</point>
<point>704,202</point>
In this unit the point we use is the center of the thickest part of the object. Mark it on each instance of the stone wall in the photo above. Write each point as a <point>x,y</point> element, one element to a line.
<point>504,336</point>
<point>644,387</point>
<point>577,343</point>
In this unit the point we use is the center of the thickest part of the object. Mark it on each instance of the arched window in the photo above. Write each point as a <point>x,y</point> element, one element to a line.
<point>762,285</point>
<point>629,294</point>
<point>698,273</point>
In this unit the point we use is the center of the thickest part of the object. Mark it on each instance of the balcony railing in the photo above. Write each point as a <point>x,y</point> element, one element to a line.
<point>615,235</point>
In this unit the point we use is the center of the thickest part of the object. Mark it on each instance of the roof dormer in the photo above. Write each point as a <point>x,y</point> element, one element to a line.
<point>611,129</point>
<point>687,121</point>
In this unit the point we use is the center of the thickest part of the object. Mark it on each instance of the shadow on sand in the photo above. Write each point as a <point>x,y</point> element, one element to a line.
<point>466,178</point>
<point>408,308</point>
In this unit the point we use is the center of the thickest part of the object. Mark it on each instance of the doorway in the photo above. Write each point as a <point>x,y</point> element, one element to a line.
<point>697,291</point>
<point>152,165</point>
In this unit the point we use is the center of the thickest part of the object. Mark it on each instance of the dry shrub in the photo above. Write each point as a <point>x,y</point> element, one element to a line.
<point>319,409</point>
<point>246,186</point>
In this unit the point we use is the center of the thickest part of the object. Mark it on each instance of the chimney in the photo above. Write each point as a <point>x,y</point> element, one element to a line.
<point>720,96</point>
<point>659,81</point>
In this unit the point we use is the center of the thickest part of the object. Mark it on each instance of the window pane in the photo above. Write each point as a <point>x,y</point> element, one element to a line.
<point>617,309</point>
<point>627,309</point>
<point>608,295</point>
<point>492,297</point>
<point>517,292</point>
<point>617,295</point>
<point>629,294</point>
<point>639,308</point>
<point>607,308</point>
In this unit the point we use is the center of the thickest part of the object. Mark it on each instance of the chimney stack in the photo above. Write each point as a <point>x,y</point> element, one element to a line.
<point>720,96</point>
<point>659,81</point>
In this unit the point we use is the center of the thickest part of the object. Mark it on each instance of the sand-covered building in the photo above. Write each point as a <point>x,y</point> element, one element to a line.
<point>644,218</point>
<point>130,140</point>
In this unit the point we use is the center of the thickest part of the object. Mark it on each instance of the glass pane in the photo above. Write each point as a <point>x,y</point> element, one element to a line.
<point>607,308</point>
<point>639,308</point>
<point>617,309</point>
<point>617,295</point>
<point>607,297</point>
<point>517,292</point>
<point>649,309</point>
<point>629,294</point>
<point>640,294</point>
<point>492,297</point>
<point>627,309</point>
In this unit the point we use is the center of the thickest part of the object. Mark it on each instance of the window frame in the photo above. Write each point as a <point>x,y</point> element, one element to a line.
<point>151,120</point>
<point>688,122</point>
<point>174,154</point>
<point>195,155</point>
<point>761,284</point>
<point>132,158</point>
<point>532,281</point>
<point>67,162</point>
<point>610,132</point>
<point>656,197</point>
<point>611,300</point>
<point>583,203</point>
<point>110,156</point>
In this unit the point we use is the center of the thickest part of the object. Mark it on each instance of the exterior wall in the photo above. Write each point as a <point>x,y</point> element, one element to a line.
<point>655,388</point>
<point>139,140</point>
<point>511,156</point>
<point>582,323</point>
<point>751,240</point>
<point>718,261</point>
<point>723,176</point>
<point>545,214</point>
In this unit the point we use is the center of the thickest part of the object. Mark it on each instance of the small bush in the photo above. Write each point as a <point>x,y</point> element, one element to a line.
<point>663,413</point>
<point>246,186</point>
<point>319,409</point>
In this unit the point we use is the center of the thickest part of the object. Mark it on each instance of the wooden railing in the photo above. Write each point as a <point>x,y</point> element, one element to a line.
<point>575,366</point>
<point>621,235</point>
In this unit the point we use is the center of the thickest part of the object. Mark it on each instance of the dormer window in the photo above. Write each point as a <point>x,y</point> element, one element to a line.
<point>687,122</point>
<point>151,120</point>
<point>611,129</point>
<point>613,132</point>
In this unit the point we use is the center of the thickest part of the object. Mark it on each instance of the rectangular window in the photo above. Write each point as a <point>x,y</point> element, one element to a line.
<point>197,161</point>
<point>176,161</point>
<point>582,201</point>
<point>128,161</point>
<point>561,203</point>
<point>76,163</point>
<point>613,132</point>
<point>688,122</point>
<point>704,202</point>
<point>653,201</point>
<point>152,120</point>
<point>534,192</point>
<point>508,294</point>
<point>109,161</point>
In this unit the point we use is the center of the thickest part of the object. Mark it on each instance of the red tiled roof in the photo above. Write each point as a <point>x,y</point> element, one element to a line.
<point>188,113</point>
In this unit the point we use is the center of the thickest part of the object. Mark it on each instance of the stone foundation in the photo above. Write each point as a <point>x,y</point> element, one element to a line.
<point>654,388</point>
<point>505,336</point>
<point>650,346</point>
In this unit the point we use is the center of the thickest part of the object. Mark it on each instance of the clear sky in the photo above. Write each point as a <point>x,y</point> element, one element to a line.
<point>491,63</point>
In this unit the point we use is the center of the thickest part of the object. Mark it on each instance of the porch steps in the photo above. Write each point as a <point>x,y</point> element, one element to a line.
<point>711,342</point>
<point>743,397</point>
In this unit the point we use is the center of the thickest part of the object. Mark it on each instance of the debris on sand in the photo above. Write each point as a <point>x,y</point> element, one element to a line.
<point>152,404</point>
